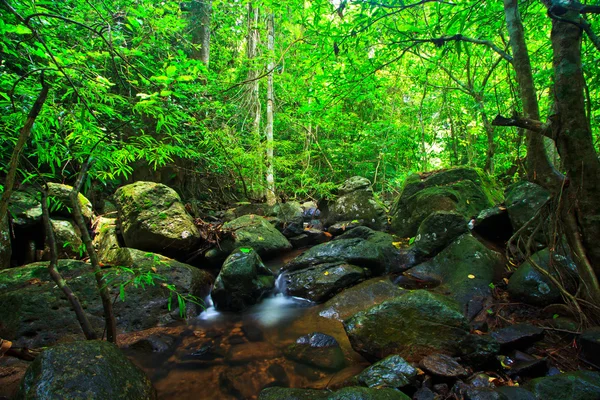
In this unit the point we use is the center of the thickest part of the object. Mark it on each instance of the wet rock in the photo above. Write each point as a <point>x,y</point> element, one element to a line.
<point>392,371</point>
<point>309,237</point>
<point>514,393</point>
<point>339,228</point>
<point>481,380</point>
<point>518,336</point>
<point>84,370</point>
<point>5,245</point>
<point>243,281</point>
<point>156,343</point>
<point>468,392</point>
<point>361,246</point>
<point>579,385</point>
<point>523,200</point>
<point>443,365</point>
<point>348,393</point>
<point>321,282</point>
<point>531,286</point>
<point>25,208</point>
<point>250,231</point>
<point>356,203</point>
<point>464,190</point>
<point>494,224</point>
<point>424,393</point>
<point>466,268</point>
<point>153,218</point>
<point>279,393</point>
<point>37,314</point>
<point>359,298</point>
<point>524,365</point>
<point>589,343</point>
<point>437,231</point>
<point>246,352</point>
<point>412,325</point>
<point>317,349</point>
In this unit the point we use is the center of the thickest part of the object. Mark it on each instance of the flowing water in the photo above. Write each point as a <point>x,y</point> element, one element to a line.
<point>235,355</point>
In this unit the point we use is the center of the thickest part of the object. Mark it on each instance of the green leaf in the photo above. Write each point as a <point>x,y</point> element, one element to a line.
<point>245,250</point>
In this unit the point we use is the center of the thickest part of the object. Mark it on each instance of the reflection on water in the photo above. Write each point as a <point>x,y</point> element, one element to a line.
<point>224,355</point>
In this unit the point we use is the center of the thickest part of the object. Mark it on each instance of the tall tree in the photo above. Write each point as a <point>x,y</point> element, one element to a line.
<point>200,21</point>
<point>271,199</point>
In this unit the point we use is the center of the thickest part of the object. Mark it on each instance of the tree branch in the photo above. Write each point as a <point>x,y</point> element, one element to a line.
<point>439,42</point>
<point>525,123</point>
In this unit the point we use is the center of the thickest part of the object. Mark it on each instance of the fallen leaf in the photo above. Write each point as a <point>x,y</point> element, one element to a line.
<point>471,276</point>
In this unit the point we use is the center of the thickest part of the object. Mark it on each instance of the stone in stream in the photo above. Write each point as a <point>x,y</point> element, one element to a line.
<point>518,336</point>
<point>393,371</point>
<point>85,370</point>
<point>443,365</point>
<point>578,385</point>
<point>317,349</point>
<point>242,282</point>
<point>347,393</point>
<point>321,282</point>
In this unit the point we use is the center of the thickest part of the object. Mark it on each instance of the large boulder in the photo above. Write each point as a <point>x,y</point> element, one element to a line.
<point>523,201</point>
<point>250,231</point>
<point>437,231</point>
<point>356,203</point>
<point>242,282</point>
<point>36,313</point>
<point>361,246</point>
<point>321,282</point>
<point>466,268</point>
<point>5,245</point>
<point>25,208</point>
<point>152,218</point>
<point>68,240</point>
<point>318,350</point>
<point>464,190</point>
<point>531,286</point>
<point>85,370</point>
<point>286,217</point>
<point>412,325</point>
<point>106,241</point>
<point>359,298</point>
<point>578,385</point>
<point>60,202</point>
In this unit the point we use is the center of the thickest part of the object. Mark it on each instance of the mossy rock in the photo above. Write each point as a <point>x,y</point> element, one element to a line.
<point>250,231</point>
<point>152,218</point>
<point>348,393</point>
<point>523,201</point>
<point>393,371</point>
<point>82,371</point>
<point>62,193</point>
<point>464,190</point>
<point>36,313</point>
<point>412,325</point>
<point>437,231</point>
<point>5,245</point>
<point>25,208</point>
<point>68,240</point>
<point>578,385</point>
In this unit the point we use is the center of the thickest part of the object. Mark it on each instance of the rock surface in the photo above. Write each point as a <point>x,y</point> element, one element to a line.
<point>464,190</point>
<point>348,393</point>
<point>5,244</point>
<point>250,231</point>
<point>392,371</point>
<point>437,231</point>
<point>36,313</point>
<point>243,281</point>
<point>85,370</point>
<point>579,385</point>
<point>443,365</point>
<point>152,218</point>
<point>356,203</point>
<point>317,349</point>
<point>68,240</point>
<point>523,200</point>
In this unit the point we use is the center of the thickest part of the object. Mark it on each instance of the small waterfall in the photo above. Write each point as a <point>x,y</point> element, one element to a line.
<point>210,313</point>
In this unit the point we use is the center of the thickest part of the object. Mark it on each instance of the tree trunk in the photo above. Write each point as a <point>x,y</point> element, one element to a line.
<point>539,168</point>
<point>253,39</point>
<point>200,21</point>
<point>271,200</point>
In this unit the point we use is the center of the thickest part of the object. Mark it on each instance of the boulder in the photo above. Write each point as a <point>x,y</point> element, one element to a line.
<point>359,298</point>
<point>347,393</point>
<point>321,282</point>
<point>5,244</point>
<point>68,240</point>
<point>309,237</point>
<point>494,224</point>
<point>284,216</point>
<point>318,350</point>
<point>392,371</point>
<point>36,312</point>
<point>529,285</point>
<point>243,281</point>
<point>339,228</point>
<point>523,201</point>
<point>464,190</point>
<point>361,246</point>
<point>106,241</point>
<point>356,203</point>
<point>412,325</point>
<point>25,208</point>
<point>152,218</point>
<point>466,268</point>
<point>250,231</point>
<point>60,202</point>
<point>443,365</point>
<point>578,385</point>
<point>85,370</point>
<point>437,231</point>
<point>518,336</point>
<point>589,343</point>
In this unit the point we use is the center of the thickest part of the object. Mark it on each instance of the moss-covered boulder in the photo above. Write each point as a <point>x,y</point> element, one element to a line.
<point>361,246</point>
<point>466,268</point>
<point>250,231</point>
<point>523,200</point>
<point>412,325</point>
<point>68,240</point>
<point>25,208</point>
<point>323,281</point>
<point>83,371</point>
<point>242,282</point>
<point>36,313</point>
<point>106,241</point>
<point>356,203</point>
<point>5,244</point>
<point>152,218</point>
<point>464,190</point>
<point>317,350</point>
<point>578,385</point>
<point>531,286</point>
<point>437,231</point>
<point>347,393</point>
<point>392,371</point>
<point>60,198</point>
<point>286,217</point>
